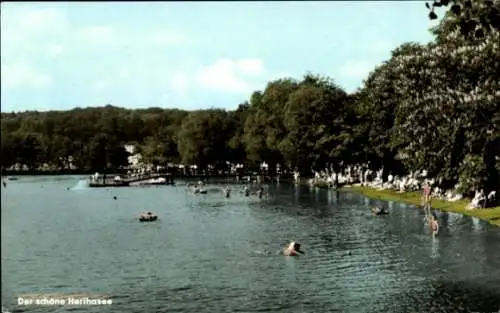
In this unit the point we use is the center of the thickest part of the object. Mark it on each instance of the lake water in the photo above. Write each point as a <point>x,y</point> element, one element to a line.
<point>211,254</point>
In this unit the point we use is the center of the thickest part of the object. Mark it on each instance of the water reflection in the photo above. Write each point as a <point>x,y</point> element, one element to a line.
<point>477,224</point>
<point>330,196</point>
<point>391,205</point>
<point>435,247</point>
<point>211,254</point>
<point>337,197</point>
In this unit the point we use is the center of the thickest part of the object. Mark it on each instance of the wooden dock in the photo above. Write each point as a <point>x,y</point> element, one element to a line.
<point>109,180</point>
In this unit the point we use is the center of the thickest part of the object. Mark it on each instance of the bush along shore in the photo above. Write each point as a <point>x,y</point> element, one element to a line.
<point>408,189</point>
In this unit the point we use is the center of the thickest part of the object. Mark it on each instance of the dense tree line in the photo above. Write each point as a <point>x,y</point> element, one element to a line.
<point>432,107</point>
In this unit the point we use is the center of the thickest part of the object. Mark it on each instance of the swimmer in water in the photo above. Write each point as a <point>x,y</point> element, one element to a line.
<point>293,249</point>
<point>196,189</point>
<point>246,191</point>
<point>434,225</point>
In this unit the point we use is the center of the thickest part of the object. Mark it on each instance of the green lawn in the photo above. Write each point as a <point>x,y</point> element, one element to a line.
<point>491,215</point>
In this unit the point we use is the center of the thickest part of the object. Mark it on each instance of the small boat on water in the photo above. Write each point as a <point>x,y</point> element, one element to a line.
<point>148,217</point>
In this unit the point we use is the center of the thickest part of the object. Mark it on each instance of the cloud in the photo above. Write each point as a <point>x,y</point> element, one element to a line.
<point>166,38</point>
<point>22,75</point>
<point>42,21</point>
<point>101,35</point>
<point>49,32</point>
<point>35,39</point>
<point>124,73</point>
<point>30,32</point>
<point>357,68</point>
<point>53,50</point>
<point>231,75</point>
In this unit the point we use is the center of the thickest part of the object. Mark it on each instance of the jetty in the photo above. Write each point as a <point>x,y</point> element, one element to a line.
<point>106,180</point>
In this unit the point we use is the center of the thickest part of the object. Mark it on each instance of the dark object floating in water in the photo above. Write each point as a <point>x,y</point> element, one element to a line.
<point>12,178</point>
<point>115,197</point>
<point>379,211</point>
<point>148,219</point>
<point>203,192</point>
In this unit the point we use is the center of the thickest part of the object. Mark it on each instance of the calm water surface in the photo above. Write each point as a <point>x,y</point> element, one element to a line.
<point>211,254</point>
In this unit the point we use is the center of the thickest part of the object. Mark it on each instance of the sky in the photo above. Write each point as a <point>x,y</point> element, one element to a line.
<point>190,55</point>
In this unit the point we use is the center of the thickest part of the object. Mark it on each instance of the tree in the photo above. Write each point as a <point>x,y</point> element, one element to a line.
<point>474,19</point>
<point>235,125</point>
<point>315,122</point>
<point>449,108</point>
<point>202,138</point>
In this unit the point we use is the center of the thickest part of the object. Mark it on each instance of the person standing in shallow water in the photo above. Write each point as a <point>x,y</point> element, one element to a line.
<point>260,192</point>
<point>434,225</point>
<point>227,191</point>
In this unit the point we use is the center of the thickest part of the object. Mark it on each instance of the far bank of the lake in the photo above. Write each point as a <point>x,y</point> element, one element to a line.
<point>491,215</point>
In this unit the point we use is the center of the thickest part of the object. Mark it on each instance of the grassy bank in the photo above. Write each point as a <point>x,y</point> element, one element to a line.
<point>491,215</point>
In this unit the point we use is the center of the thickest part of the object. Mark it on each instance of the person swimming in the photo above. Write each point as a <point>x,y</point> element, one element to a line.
<point>293,249</point>
<point>434,224</point>
<point>196,189</point>
<point>379,211</point>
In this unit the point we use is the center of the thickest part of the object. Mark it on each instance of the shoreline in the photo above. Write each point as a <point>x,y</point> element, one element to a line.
<point>175,174</point>
<point>491,215</point>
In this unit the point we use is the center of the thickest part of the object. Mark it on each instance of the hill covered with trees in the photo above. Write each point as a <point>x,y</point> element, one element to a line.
<point>434,107</point>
